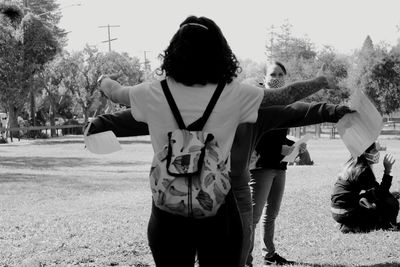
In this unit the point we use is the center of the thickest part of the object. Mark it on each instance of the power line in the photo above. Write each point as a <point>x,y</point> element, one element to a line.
<point>108,26</point>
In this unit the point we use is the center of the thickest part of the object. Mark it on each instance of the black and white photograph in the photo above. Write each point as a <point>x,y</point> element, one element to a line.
<point>188,133</point>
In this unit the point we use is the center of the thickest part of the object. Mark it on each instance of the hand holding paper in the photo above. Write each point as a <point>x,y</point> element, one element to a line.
<point>101,143</point>
<point>360,129</point>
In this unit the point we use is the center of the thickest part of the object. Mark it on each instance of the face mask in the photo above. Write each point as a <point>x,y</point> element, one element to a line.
<point>372,157</point>
<point>275,82</point>
<point>101,143</point>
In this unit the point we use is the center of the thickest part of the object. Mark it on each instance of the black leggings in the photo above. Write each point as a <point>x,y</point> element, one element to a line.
<point>175,240</point>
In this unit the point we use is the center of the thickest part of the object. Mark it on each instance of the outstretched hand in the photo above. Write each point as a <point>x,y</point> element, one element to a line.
<point>331,81</point>
<point>113,76</point>
<point>388,162</point>
<point>342,110</point>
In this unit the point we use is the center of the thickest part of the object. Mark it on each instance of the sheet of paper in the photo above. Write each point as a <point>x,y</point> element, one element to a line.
<point>101,143</point>
<point>360,129</point>
<point>292,156</point>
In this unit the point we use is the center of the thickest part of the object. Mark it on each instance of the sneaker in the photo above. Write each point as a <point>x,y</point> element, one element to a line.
<point>277,260</point>
<point>345,229</point>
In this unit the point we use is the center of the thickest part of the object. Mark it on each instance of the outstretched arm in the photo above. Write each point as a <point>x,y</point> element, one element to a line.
<point>293,92</point>
<point>115,91</point>
<point>386,182</point>
<point>299,114</point>
<point>121,123</point>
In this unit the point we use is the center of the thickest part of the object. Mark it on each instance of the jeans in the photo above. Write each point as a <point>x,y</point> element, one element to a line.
<point>267,187</point>
<point>242,193</point>
<point>175,240</point>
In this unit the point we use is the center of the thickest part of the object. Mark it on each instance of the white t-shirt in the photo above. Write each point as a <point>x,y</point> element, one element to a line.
<point>237,104</point>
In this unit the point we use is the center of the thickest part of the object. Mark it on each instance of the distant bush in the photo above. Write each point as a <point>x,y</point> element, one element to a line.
<point>73,131</point>
<point>34,134</point>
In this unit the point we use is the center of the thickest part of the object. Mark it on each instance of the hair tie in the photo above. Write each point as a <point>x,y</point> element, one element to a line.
<point>194,24</point>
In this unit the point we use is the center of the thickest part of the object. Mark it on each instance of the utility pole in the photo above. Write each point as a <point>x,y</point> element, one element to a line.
<point>146,62</point>
<point>108,26</point>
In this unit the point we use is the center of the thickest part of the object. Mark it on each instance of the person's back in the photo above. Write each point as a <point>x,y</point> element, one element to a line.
<point>197,59</point>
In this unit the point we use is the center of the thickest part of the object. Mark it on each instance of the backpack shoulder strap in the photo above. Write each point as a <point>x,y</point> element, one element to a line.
<point>199,124</point>
<point>172,104</point>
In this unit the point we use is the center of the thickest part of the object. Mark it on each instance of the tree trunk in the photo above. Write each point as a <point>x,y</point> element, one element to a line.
<point>52,117</point>
<point>13,120</point>
<point>318,130</point>
<point>86,114</point>
<point>32,107</point>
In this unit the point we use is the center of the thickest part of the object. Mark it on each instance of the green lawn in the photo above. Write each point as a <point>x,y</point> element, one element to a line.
<point>63,206</point>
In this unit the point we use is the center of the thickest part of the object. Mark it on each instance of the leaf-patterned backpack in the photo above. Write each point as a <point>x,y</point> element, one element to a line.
<point>189,176</point>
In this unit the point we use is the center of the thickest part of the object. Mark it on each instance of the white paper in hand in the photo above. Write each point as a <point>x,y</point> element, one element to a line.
<point>101,143</point>
<point>360,129</point>
<point>292,156</point>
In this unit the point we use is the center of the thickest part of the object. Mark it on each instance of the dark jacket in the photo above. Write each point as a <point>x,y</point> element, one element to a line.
<point>121,123</point>
<point>269,150</point>
<point>346,192</point>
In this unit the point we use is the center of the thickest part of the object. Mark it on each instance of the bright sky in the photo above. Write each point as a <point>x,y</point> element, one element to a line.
<point>148,25</point>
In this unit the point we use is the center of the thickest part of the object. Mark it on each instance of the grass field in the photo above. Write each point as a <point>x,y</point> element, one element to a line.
<point>63,206</point>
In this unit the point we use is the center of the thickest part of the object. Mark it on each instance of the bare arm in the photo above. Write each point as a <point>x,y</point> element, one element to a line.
<point>115,91</point>
<point>293,92</point>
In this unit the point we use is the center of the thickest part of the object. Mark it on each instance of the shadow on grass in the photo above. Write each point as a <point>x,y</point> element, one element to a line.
<point>57,162</point>
<point>385,264</point>
<point>17,177</point>
<point>45,162</point>
<point>22,182</point>
<point>80,141</point>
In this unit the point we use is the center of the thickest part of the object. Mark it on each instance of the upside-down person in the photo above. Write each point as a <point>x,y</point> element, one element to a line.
<point>358,202</point>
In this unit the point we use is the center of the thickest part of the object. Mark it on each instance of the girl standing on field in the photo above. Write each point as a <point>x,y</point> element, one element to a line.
<point>196,60</point>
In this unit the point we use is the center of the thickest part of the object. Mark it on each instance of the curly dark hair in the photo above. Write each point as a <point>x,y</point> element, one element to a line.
<point>199,54</point>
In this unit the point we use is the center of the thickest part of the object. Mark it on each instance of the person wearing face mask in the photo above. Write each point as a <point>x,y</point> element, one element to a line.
<point>268,177</point>
<point>358,202</point>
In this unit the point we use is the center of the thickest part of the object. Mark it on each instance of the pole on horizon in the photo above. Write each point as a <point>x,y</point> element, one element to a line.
<point>108,26</point>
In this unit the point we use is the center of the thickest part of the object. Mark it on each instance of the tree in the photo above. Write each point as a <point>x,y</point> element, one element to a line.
<point>12,95</point>
<point>49,13</point>
<point>56,99</point>
<point>29,44</point>
<point>368,46</point>
<point>283,46</point>
<point>128,68</point>
<point>385,80</point>
<point>40,46</point>
<point>82,70</point>
<point>251,71</point>
<point>360,73</point>
<point>338,66</point>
